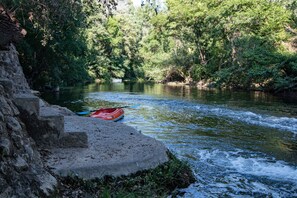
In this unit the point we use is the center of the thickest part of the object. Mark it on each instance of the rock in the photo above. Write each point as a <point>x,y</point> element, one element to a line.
<point>13,124</point>
<point>7,86</point>
<point>63,111</point>
<point>15,110</point>
<point>5,107</point>
<point>17,139</point>
<point>21,164</point>
<point>48,183</point>
<point>5,147</point>
<point>6,192</point>
<point>11,70</point>
<point>1,117</point>
<point>3,185</point>
<point>29,152</point>
<point>74,139</point>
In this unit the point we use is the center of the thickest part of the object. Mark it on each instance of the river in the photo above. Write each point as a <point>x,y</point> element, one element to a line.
<point>239,144</point>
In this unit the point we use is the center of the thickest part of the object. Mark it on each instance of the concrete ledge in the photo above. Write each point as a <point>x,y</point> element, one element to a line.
<point>105,168</point>
<point>56,120</point>
<point>114,149</point>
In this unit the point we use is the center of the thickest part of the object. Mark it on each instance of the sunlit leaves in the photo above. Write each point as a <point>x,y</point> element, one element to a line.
<point>234,42</point>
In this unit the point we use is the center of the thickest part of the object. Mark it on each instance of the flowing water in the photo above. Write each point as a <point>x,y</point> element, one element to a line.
<point>239,144</point>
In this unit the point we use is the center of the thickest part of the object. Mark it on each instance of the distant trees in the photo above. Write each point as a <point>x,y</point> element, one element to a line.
<point>233,43</point>
<point>114,44</point>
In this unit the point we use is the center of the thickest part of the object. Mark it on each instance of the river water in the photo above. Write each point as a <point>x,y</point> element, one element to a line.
<point>239,144</point>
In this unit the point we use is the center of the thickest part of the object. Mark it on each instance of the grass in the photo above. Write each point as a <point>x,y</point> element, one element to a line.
<point>162,181</point>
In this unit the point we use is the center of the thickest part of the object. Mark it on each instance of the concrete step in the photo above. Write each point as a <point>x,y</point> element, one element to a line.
<point>45,123</point>
<point>66,139</point>
<point>28,103</point>
<point>44,131</point>
<point>55,120</point>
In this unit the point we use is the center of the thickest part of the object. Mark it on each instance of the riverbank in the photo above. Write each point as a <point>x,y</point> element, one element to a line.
<point>209,85</point>
<point>119,161</point>
<point>162,181</point>
<point>113,149</point>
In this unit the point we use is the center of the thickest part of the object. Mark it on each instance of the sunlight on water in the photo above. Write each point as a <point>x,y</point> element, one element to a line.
<point>282,123</point>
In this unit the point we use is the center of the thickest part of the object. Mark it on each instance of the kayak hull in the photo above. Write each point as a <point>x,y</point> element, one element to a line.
<point>111,114</point>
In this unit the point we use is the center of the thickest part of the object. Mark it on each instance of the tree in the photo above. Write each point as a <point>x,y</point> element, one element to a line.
<point>55,50</point>
<point>233,42</point>
<point>115,43</point>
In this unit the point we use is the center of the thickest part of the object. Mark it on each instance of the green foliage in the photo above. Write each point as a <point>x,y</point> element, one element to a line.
<point>236,43</point>
<point>114,44</point>
<point>285,79</point>
<point>55,51</point>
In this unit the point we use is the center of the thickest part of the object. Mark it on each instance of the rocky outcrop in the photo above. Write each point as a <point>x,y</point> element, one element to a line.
<point>22,173</point>
<point>27,124</point>
<point>11,70</point>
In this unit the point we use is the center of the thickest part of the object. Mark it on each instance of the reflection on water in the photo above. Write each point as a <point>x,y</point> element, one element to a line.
<point>238,143</point>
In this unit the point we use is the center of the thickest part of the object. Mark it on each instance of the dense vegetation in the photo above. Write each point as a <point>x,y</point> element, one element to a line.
<point>231,43</point>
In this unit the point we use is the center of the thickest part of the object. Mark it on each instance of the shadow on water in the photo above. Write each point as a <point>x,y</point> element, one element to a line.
<point>238,143</point>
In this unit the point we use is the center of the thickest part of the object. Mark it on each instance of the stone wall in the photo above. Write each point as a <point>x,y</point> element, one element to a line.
<point>10,69</point>
<point>22,172</point>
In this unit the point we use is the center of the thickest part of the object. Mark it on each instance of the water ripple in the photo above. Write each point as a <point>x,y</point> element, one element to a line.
<point>282,123</point>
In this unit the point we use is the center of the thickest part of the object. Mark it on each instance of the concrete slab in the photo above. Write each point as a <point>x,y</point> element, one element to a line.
<point>113,149</point>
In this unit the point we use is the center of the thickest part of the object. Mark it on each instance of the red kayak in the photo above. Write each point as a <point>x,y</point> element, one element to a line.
<point>112,114</point>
